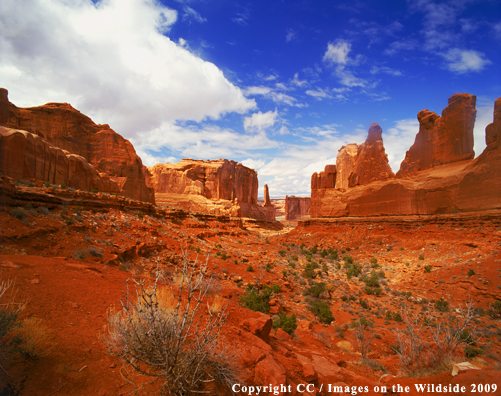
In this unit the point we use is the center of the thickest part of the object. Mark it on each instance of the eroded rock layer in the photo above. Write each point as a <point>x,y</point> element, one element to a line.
<point>345,160</point>
<point>24,155</point>
<point>64,127</point>
<point>371,163</point>
<point>296,207</point>
<point>459,186</point>
<point>442,140</point>
<point>218,186</point>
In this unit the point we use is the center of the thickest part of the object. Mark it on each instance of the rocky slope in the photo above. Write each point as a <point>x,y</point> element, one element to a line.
<point>451,182</point>
<point>217,187</point>
<point>64,127</point>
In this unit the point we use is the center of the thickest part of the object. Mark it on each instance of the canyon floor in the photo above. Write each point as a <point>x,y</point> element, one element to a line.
<point>70,265</point>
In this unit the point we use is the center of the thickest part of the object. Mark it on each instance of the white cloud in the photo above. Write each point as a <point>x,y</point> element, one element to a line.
<point>464,61</point>
<point>135,79</point>
<point>192,14</point>
<point>258,122</point>
<point>337,52</point>
<point>318,93</point>
<point>253,163</point>
<point>296,81</point>
<point>291,35</point>
<point>399,139</point>
<point>385,70</point>
<point>272,94</point>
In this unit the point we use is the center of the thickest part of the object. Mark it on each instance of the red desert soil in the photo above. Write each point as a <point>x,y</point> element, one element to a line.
<point>73,296</point>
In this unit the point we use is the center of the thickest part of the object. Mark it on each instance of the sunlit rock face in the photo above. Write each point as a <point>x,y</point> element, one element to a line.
<point>438,175</point>
<point>62,126</point>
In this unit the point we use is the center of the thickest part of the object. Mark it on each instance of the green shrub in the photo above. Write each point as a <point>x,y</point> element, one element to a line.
<point>322,311</point>
<point>267,241</point>
<point>427,268</point>
<point>63,186</point>
<point>284,322</point>
<point>47,184</point>
<point>364,304</point>
<point>471,352</point>
<point>471,272</point>
<point>140,215</point>
<point>347,260</point>
<point>314,249</point>
<point>494,310</point>
<point>69,222</point>
<point>281,253</point>
<point>250,268</point>
<point>18,213</point>
<point>259,300</point>
<point>309,270</point>
<point>421,257</point>
<point>442,305</point>
<point>373,262</point>
<point>315,290</point>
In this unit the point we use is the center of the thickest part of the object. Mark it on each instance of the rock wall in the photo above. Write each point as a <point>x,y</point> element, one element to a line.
<point>324,179</point>
<point>218,186</point>
<point>62,126</point>
<point>24,155</point>
<point>345,161</point>
<point>459,186</point>
<point>442,140</point>
<point>296,207</point>
<point>371,163</point>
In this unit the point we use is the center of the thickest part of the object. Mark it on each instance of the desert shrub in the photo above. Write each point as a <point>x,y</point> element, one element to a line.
<point>18,213</point>
<point>376,291</point>
<point>324,253</point>
<point>471,272</point>
<point>421,257</point>
<point>267,241</point>
<point>363,335</point>
<point>363,303</point>
<point>427,268</point>
<point>353,270</point>
<point>284,322</point>
<point>309,270</point>
<point>471,352</point>
<point>494,310</point>
<point>281,253</point>
<point>322,311</point>
<point>258,299</point>
<point>69,221</point>
<point>334,255</point>
<point>430,342</point>
<point>95,251</point>
<point>10,342</point>
<point>140,215</point>
<point>63,186</point>
<point>250,268</point>
<point>47,184</point>
<point>175,343</point>
<point>81,253</point>
<point>43,210</point>
<point>314,249</point>
<point>315,290</point>
<point>348,260</point>
<point>442,305</point>
<point>36,338</point>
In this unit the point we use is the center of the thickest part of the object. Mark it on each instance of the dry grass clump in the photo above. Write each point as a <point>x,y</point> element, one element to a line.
<point>36,338</point>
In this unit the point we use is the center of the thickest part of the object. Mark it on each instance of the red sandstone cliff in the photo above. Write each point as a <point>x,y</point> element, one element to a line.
<point>442,140</point>
<point>459,186</point>
<point>324,179</point>
<point>218,186</point>
<point>372,162</point>
<point>296,207</point>
<point>24,155</point>
<point>345,160</point>
<point>62,126</point>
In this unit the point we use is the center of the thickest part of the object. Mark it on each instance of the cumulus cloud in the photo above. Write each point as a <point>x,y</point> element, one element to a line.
<point>464,61</point>
<point>337,52</point>
<point>112,61</point>
<point>258,122</point>
<point>319,93</point>
<point>398,139</point>
<point>337,55</point>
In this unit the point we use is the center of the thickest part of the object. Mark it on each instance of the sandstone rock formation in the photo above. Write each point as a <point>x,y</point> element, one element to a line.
<point>24,155</point>
<point>296,207</point>
<point>372,162</point>
<point>324,179</point>
<point>442,140</point>
<point>4,107</point>
<point>218,187</point>
<point>461,186</point>
<point>345,160</point>
<point>62,126</point>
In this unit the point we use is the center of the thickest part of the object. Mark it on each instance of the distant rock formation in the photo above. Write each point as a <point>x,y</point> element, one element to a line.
<point>267,200</point>
<point>296,207</point>
<point>447,185</point>
<point>62,126</point>
<point>24,155</point>
<point>371,163</point>
<point>218,186</point>
<point>324,179</point>
<point>345,160</point>
<point>442,140</point>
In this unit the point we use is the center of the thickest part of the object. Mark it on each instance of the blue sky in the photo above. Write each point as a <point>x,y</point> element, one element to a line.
<point>277,85</point>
